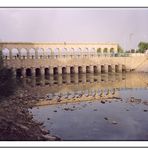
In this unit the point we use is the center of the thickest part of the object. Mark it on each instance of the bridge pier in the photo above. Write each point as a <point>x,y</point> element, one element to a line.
<point>120,68</point>
<point>33,72</point>
<point>68,69</point>
<point>91,69</point>
<point>106,68</point>
<point>83,69</point>
<point>24,72</point>
<point>42,71</point>
<point>59,70</point>
<point>113,68</point>
<point>51,70</point>
<point>76,69</point>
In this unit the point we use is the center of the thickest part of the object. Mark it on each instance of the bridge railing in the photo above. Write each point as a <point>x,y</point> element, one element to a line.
<point>77,55</point>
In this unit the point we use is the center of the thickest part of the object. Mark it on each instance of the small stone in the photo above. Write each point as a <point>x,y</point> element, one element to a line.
<point>145,110</point>
<point>105,118</point>
<point>103,102</point>
<point>55,110</point>
<point>114,122</point>
<point>48,118</point>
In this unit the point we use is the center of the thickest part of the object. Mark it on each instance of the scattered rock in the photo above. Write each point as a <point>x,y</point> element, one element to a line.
<point>114,122</point>
<point>105,118</point>
<point>102,101</point>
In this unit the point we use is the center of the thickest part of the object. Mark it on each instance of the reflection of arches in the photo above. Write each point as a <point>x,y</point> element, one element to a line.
<point>28,72</point>
<point>72,70</point>
<point>63,70</point>
<point>109,68</point>
<point>6,52</point>
<point>32,53</point>
<point>102,69</point>
<point>37,71</point>
<point>18,72</point>
<point>116,68</point>
<point>55,70</point>
<point>46,71</point>
<point>87,69</point>
<point>80,69</point>
<point>105,50</point>
<point>112,50</point>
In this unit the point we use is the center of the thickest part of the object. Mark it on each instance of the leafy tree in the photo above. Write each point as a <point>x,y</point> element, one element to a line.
<point>7,81</point>
<point>119,49</point>
<point>142,47</point>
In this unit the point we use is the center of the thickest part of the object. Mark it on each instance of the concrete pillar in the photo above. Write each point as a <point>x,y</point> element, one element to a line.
<point>91,69</point>
<point>24,72</point>
<point>33,72</point>
<point>51,70</point>
<point>68,69</point>
<point>42,71</point>
<point>83,69</point>
<point>113,68</point>
<point>59,70</point>
<point>76,69</point>
<point>106,68</point>
<point>120,68</point>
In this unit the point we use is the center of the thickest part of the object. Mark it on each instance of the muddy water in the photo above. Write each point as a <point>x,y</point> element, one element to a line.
<point>125,118</point>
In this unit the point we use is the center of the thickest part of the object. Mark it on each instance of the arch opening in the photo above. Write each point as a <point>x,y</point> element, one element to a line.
<point>87,69</point>
<point>102,69</point>
<point>109,68</point>
<point>37,72</point>
<point>55,70</point>
<point>80,69</point>
<point>46,71</point>
<point>72,70</point>
<point>19,72</point>
<point>95,69</point>
<point>63,70</point>
<point>28,72</point>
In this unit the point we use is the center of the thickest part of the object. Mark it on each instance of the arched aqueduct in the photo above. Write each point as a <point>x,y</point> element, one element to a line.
<point>33,59</point>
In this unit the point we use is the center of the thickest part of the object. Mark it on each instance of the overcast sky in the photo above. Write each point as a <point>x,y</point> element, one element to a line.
<point>126,26</point>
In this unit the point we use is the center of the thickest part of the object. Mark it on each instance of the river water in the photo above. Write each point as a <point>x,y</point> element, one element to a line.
<point>125,118</point>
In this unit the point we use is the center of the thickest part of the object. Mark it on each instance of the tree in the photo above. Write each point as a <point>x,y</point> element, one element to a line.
<point>119,49</point>
<point>7,81</point>
<point>142,47</point>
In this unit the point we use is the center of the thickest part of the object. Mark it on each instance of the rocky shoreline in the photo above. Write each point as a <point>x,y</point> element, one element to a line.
<point>17,123</point>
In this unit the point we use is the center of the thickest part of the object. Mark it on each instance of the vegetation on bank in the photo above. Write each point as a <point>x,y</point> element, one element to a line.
<point>7,81</point>
<point>142,47</point>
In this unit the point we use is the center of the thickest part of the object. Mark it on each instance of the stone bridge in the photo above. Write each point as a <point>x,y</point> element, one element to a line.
<point>34,59</point>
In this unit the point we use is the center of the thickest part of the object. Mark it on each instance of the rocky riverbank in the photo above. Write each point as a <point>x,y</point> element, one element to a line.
<point>17,123</point>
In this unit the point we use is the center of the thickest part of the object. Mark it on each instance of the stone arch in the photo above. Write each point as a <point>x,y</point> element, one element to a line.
<point>56,52</point>
<point>63,70</point>
<point>109,68</point>
<point>95,69</point>
<point>102,68</point>
<point>32,53</point>
<point>47,52</point>
<point>18,72</point>
<point>123,68</point>
<point>72,70</point>
<point>80,69</point>
<point>98,50</point>
<point>105,50</point>
<point>15,52</point>
<point>23,52</point>
<point>40,53</point>
<point>28,72</point>
<point>87,69</point>
<point>112,50</point>
<point>55,70</point>
<point>46,71</point>
<point>37,71</point>
<point>116,68</point>
<point>6,52</point>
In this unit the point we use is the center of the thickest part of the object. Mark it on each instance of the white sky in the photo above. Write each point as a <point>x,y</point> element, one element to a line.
<point>126,26</point>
